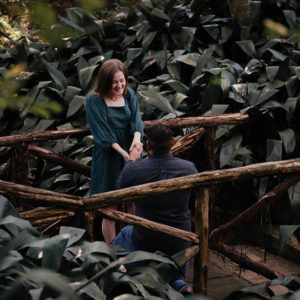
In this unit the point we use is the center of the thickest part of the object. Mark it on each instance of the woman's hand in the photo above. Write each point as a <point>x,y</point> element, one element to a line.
<point>135,153</point>
<point>136,142</point>
<point>125,155</point>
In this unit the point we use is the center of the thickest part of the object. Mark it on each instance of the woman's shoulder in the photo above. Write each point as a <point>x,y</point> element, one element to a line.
<point>93,96</point>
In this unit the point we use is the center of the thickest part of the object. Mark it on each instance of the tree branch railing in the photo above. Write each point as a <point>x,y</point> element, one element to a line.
<point>206,179</point>
<point>106,199</point>
<point>6,141</point>
<point>192,181</point>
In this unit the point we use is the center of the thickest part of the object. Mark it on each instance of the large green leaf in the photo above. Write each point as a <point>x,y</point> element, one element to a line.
<point>14,224</point>
<point>6,208</point>
<point>217,109</point>
<point>289,139</point>
<point>227,80</point>
<point>292,86</point>
<point>186,36</point>
<point>229,150</point>
<point>189,59</point>
<point>157,101</point>
<point>92,291</point>
<point>52,252</point>
<point>274,150</point>
<point>76,104</point>
<point>148,39</point>
<point>177,86</point>
<point>294,195</point>
<point>134,257</point>
<point>265,95</point>
<point>133,297</point>
<point>238,92</point>
<point>122,279</point>
<point>248,47</point>
<point>71,92</point>
<point>83,51</point>
<point>277,55</point>
<point>285,232</point>
<point>47,278</point>
<point>272,71</point>
<point>96,247</point>
<point>142,30</point>
<point>85,77</point>
<point>202,61</point>
<point>10,260</point>
<point>174,70</point>
<point>58,77</point>
<point>74,234</point>
<point>213,93</point>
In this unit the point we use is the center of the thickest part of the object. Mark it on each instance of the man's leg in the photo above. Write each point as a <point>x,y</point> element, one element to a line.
<point>179,283</point>
<point>124,238</point>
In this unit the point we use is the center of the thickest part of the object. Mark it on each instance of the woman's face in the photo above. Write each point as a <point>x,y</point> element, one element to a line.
<point>118,84</point>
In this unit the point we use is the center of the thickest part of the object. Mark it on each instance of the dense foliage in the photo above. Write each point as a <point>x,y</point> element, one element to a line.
<point>66,266</point>
<point>189,59</point>
<point>180,61</point>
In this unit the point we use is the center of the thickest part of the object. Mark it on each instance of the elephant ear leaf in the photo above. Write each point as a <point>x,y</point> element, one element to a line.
<point>158,101</point>
<point>229,150</point>
<point>248,47</point>
<point>53,251</point>
<point>289,139</point>
<point>294,195</point>
<point>76,104</point>
<point>57,76</point>
<point>85,77</point>
<point>285,232</point>
<point>274,150</point>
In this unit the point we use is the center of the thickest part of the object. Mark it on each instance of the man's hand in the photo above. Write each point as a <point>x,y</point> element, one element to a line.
<point>135,153</point>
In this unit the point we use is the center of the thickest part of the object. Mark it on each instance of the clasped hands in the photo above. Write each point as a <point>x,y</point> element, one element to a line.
<point>135,151</point>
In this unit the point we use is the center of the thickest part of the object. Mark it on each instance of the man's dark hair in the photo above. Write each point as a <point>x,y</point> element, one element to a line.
<point>160,138</point>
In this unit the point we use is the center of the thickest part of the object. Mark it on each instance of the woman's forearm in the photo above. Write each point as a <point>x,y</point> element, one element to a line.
<point>120,150</point>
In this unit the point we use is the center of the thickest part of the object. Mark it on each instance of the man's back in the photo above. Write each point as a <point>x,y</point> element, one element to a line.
<point>170,208</point>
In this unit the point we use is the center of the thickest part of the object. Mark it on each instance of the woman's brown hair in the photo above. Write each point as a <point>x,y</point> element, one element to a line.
<point>105,76</point>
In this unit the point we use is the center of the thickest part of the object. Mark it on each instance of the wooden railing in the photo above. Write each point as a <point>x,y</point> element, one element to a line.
<point>202,183</point>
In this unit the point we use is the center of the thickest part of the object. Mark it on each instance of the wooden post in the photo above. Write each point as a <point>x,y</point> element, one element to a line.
<point>209,163</point>
<point>201,228</point>
<point>19,170</point>
<point>89,224</point>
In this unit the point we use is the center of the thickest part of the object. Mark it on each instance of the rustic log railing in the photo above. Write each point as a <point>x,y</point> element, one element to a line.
<point>67,205</point>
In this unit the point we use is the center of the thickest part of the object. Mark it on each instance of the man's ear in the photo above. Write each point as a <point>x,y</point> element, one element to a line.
<point>173,142</point>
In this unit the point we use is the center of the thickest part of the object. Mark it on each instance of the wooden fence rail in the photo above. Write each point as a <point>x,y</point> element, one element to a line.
<point>203,182</point>
<point>174,123</point>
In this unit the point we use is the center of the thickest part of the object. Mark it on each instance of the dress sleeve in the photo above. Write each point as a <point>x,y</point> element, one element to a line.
<point>97,121</point>
<point>136,123</point>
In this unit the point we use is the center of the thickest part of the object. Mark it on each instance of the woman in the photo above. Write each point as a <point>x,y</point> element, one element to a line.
<point>114,119</point>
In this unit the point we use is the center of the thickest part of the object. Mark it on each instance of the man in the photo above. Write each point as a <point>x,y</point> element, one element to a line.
<point>170,208</point>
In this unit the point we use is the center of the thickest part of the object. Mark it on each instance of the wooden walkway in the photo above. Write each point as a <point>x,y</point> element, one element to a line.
<point>224,276</point>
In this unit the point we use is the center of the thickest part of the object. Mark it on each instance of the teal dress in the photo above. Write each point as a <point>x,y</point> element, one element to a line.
<point>110,125</point>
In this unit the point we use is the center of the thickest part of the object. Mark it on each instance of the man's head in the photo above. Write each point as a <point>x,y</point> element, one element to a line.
<point>160,139</point>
